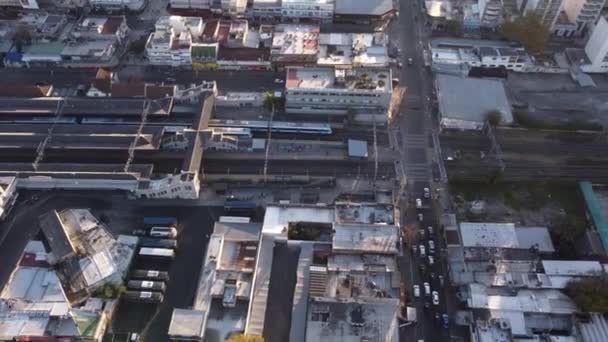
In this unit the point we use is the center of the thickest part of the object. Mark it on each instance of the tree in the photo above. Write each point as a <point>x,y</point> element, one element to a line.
<point>494,117</point>
<point>528,30</point>
<point>21,37</point>
<point>409,234</point>
<point>137,47</point>
<point>244,338</point>
<point>590,293</point>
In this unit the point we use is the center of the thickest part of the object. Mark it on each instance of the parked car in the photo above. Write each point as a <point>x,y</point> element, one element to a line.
<point>446,321</point>
<point>422,251</point>
<point>430,230</point>
<point>441,280</point>
<point>431,246</point>
<point>435,298</point>
<point>416,290</point>
<point>431,260</point>
<point>163,232</point>
<point>420,217</point>
<point>140,232</point>
<point>414,249</point>
<point>278,80</point>
<point>427,289</point>
<point>410,61</point>
<point>418,203</point>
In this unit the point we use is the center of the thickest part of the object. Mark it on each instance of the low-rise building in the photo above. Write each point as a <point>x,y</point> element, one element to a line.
<point>458,110</point>
<point>190,4</point>
<point>372,12</point>
<point>102,28</point>
<point>318,10</point>
<point>294,45</point>
<point>134,5</point>
<point>26,4</point>
<point>266,9</point>
<point>171,42</point>
<point>346,50</point>
<point>332,91</point>
<point>8,195</point>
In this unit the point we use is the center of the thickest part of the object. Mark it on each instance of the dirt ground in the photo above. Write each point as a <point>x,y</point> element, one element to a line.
<point>525,204</point>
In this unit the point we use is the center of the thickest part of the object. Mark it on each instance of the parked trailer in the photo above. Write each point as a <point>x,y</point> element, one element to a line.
<point>143,296</point>
<point>149,275</point>
<point>157,243</point>
<point>156,252</point>
<point>160,221</point>
<point>146,285</point>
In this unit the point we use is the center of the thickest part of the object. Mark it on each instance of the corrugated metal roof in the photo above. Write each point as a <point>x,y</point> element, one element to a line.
<point>599,221</point>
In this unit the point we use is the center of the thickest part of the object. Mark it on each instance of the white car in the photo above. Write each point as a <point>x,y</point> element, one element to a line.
<point>416,290</point>
<point>435,298</point>
<point>427,289</point>
<point>427,193</point>
<point>418,203</point>
<point>431,260</point>
<point>430,229</point>
<point>422,251</point>
<point>278,80</point>
<point>431,246</point>
<point>420,217</point>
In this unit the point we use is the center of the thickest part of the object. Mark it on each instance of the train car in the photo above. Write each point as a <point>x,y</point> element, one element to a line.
<point>143,296</point>
<point>146,285</point>
<point>150,275</point>
<point>276,126</point>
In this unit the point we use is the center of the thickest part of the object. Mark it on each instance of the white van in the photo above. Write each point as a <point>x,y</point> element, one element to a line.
<point>163,232</point>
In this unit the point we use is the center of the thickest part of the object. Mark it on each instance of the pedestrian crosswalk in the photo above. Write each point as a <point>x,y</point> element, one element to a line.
<point>417,171</point>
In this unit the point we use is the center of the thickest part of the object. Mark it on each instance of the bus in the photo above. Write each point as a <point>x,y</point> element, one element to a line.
<point>149,275</point>
<point>146,285</point>
<point>156,252</point>
<point>143,296</point>
<point>157,243</point>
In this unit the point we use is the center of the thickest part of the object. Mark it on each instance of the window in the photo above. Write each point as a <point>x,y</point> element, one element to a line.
<point>493,58</point>
<point>510,66</point>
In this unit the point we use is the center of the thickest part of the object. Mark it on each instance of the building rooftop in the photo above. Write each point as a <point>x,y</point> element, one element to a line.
<point>360,49</point>
<point>537,237</point>
<point>360,238</point>
<point>368,213</point>
<point>295,40</point>
<point>186,324</point>
<point>458,108</point>
<point>357,148</point>
<point>571,267</point>
<point>33,287</point>
<point>339,80</point>
<point>56,236</point>
<point>331,320</point>
<point>488,235</point>
<point>278,217</point>
<point>358,7</point>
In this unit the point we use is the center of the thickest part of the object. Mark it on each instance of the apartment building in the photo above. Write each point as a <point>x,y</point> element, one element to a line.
<point>597,48</point>
<point>234,8</point>
<point>193,4</point>
<point>295,45</point>
<point>321,10</point>
<point>548,10</point>
<point>330,91</point>
<point>490,12</point>
<point>27,4</point>
<point>266,9</point>
<point>118,4</point>
<point>171,42</point>
<point>584,13</point>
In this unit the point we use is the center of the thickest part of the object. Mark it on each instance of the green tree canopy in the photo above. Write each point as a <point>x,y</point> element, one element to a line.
<point>590,294</point>
<point>137,47</point>
<point>494,117</point>
<point>528,30</point>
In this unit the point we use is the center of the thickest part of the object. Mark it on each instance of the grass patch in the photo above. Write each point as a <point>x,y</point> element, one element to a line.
<point>523,119</point>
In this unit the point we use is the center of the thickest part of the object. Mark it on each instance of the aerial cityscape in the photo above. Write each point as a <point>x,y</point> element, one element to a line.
<point>304,170</point>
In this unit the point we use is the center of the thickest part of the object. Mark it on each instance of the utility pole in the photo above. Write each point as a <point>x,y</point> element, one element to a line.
<point>49,135</point>
<point>144,117</point>
<point>268,143</point>
<point>495,149</point>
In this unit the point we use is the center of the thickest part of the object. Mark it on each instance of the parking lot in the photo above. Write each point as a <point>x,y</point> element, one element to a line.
<point>122,216</point>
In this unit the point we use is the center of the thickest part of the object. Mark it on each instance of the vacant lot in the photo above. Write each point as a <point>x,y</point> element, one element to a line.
<point>558,206</point>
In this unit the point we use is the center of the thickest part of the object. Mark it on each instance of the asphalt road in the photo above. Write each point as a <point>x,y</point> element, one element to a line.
<point>226,80</point>
<point>413,130</point>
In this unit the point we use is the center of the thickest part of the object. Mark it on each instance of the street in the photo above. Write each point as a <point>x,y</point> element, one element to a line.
<point>413,129</point>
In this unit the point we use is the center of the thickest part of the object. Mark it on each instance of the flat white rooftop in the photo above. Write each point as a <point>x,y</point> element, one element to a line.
<point>571,267</point>
<point>295,40</point>
<point>359,79</point>
<point>488,235</point>
<point>365,238</point>
<point>277,217</point>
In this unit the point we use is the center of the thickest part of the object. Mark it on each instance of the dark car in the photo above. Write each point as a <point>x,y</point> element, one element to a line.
<point>446,321</point>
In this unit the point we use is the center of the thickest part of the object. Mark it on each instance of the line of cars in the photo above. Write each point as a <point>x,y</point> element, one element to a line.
<point>425,250</point>
<point>156,245</point>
